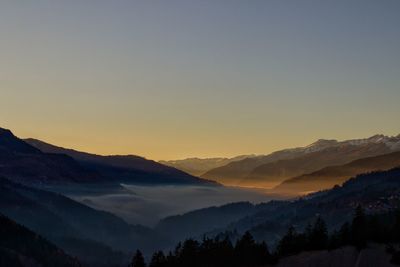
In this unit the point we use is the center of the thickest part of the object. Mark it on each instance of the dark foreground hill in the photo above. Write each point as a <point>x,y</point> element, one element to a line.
<point>123,168</point>
<point>373,256</point>
<point>81,231</point>
<point>20,247</point>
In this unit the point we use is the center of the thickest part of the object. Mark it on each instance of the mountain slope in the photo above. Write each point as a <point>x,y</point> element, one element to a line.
<point>60,219</point>
<point>272,169</point>
<point>234,172</point>
<point>123,168</point>
<point>377,192</point>
<point>335,175</point>
<point>276,172</point>
<point>197,222</point>
<point>22,247</point>
<point>198,166</point>
<point>24,163</point>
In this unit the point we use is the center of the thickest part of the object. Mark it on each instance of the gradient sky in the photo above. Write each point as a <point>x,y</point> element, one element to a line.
<point>174,79</point>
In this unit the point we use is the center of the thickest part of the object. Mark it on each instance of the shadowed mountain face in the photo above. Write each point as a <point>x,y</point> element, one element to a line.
<point>24,163</point>
<point>21,247</point>
<point>198,166</point>
<point>336,175</point>
<point>198,222</point>
<point>270,170</point>
<point>76,228</point>
<point>123,169</point>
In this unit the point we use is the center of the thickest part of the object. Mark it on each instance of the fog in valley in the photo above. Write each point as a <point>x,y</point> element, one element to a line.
<point>146,205</point>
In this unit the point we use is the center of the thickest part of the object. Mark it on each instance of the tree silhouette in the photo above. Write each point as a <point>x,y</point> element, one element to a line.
<point>359,228</point>
<point>289,244</point>
<point>318,238</point>
<point>188,253</point>
<point>158,260</point>
<point>247,252</point>
<point>138,260</point>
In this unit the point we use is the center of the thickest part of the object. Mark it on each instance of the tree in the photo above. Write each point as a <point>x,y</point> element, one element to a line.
<point>396,227</point>
<point>158,260</point>
<point>250,253</point>
<point>289,244</point>
<point>138,260</point>
<point>319,234</point>
<point>345,234</point>
<point>188,254</point>
<point>359,228</point>
<point>244,250</point>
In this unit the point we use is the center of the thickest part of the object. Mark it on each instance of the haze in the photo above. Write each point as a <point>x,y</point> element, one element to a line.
<point>175,79</point>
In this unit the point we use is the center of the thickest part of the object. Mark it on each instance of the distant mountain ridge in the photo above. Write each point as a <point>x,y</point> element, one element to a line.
<point>199,166</point>
<point>287,163</point>
<point>327,177</point>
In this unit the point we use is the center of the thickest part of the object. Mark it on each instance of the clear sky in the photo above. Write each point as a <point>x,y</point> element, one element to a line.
<point>174,79</point>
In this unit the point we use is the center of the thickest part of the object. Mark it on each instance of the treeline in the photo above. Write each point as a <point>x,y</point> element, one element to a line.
<point>247,252</point>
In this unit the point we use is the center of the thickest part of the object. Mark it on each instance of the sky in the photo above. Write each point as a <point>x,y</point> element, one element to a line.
<point>175,79</point>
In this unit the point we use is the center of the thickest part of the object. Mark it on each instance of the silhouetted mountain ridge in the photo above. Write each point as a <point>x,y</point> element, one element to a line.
<point>124,168</point>
<point>26,164</point>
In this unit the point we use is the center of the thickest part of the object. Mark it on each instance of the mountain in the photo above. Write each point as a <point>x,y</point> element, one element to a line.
<point>273,173</point>
<point>21,247</point>
<point>123,168</point>
<point>232,173</point>
<point>335,175</point>
<point>79,230</point>
<point>377,192</point>
<point>270,170</point>
<point>24,163</point>
<point>198,166</point>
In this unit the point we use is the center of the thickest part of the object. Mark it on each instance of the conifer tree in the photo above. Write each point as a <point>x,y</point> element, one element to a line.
<point>138,260</point>
<point>319,234</point>
<point>158,260</point>
<point>359,228</point>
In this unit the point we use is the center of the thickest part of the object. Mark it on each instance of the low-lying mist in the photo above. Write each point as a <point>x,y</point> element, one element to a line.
<point>146,205</point>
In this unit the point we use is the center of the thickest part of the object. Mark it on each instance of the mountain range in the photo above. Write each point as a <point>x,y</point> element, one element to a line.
<point>272,169</point>
<point>54,225</point>
<point>335,175</point>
